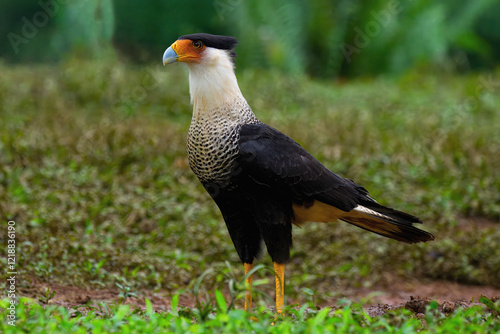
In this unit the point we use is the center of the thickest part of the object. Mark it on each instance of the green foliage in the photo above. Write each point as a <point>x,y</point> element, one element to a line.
<point>93,170</point>
<point>495,308</point>
<point>85,27</point>
<point>393,36</point>
<point>328,38</point>
<point>323,38</point>
<point>33,318</point>
<point>46,30</point>
<point>48,296</point>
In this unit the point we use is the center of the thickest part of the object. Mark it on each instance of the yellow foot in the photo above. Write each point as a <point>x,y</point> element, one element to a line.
<point>248,283</point>
<point>279,269</point>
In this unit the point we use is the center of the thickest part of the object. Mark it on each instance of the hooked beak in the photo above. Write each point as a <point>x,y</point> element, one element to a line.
<point>170,56</point>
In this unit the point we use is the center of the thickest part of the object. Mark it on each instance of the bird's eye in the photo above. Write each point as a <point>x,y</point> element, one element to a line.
<point>198,44</point>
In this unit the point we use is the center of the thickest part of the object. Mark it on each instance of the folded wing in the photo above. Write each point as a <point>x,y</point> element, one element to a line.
<point>269,157</point>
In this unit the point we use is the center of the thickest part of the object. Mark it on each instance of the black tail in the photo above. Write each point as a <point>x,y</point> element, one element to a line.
<point>387,222</point>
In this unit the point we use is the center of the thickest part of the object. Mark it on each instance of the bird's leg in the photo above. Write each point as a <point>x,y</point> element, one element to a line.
<point>248,283</point>
<point>279,268</point>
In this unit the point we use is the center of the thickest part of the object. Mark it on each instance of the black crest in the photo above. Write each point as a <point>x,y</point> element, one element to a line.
<point>215,41</point>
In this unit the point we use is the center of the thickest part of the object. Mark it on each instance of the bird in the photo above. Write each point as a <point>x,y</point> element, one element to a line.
<point>262,180</point>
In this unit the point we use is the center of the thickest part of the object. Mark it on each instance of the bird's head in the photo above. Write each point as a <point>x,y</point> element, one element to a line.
<point>201,49</point>
<point>210,59</point>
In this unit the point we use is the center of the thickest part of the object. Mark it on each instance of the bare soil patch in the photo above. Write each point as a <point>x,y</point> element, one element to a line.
<point>411,295</point>
<point>476,223</point>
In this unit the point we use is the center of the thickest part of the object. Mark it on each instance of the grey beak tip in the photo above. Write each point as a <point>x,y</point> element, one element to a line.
<point>169,56</point>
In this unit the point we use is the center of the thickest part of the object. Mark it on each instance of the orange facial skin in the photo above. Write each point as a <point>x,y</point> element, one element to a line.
<point>188,51</point>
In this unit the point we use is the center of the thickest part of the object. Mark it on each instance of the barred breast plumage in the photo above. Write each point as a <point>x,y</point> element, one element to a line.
<point>212,144</point>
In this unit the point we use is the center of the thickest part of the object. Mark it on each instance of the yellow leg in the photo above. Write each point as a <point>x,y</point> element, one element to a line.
<point>248,281</point>
<point>280,286</point>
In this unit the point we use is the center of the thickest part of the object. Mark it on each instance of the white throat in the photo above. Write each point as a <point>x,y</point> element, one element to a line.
<point>212,83</point>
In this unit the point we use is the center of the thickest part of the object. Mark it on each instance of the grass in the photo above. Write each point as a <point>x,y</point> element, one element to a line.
<point>349,318</point>
<point>94,172</point>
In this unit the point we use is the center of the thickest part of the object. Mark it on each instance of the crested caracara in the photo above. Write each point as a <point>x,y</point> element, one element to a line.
<point>263,181</point>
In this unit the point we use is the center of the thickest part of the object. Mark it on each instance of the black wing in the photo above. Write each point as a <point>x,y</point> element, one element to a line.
<point>274,159</point>
<point>271,158</point>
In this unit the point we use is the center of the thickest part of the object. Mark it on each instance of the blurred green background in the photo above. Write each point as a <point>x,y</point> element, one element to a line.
<point>325,38</point>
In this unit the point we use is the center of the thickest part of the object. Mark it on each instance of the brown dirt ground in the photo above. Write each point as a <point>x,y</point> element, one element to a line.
<point>378,300</point>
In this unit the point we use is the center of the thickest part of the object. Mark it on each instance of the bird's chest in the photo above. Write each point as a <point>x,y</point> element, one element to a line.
<point>212,149</point>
